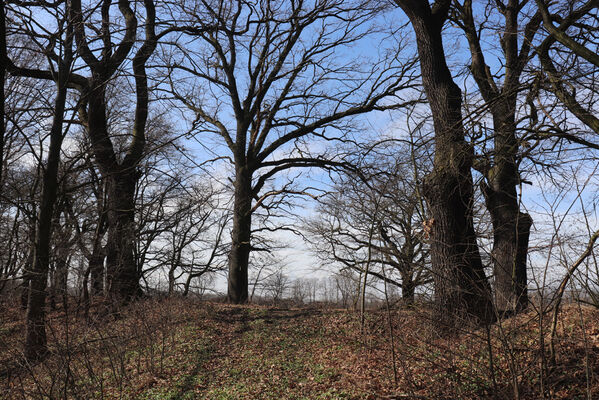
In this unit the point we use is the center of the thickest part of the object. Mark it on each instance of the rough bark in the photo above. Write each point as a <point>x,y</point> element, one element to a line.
<point>461,287</point>
<point>240,238</point>
<point>96,266</point>
<point>511,227</point>
<point>408,289</point>
<point>122,272</point>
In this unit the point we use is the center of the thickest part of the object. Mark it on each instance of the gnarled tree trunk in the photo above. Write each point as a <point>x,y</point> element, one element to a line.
<point>461,287</point>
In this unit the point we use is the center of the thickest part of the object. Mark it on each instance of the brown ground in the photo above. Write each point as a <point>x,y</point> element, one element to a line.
<point>181,349</point>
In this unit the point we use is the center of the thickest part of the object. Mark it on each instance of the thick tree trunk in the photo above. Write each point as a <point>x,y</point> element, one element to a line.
<point>408,289</point>
<point>171,281</point>
<point>462,291</point>
<point>122,272</point>
<point>35,341</point>
<point>510,248</point>
<point>511,228</point>
<point>122,275</point>
<point>96,266</point>
<point>240,238</point>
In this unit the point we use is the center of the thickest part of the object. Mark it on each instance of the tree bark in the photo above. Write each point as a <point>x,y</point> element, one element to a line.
<point>3,59</point>
<point>240,237</point>
<point>96,266</point>
<point>122,272</point>
<point>122,276</point>
<point>121,175</point>
<point>35,341</point>
<point>98,253</point>
<point>511,231</point>
<point>462,291</point>
<point>511,227</point>
<point>408,288</point>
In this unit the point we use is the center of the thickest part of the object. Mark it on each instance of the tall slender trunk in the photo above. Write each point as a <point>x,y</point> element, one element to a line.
<point>461,287</point>
<point>3,56</point>
<point>35,341</point>
<point>240,237</point>
<point>98,254</point>
<point>171,280</point>
<point>26,276</point>
<point>122,272</point>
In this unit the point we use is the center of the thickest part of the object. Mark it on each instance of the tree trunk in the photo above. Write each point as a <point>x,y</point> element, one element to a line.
<point>122,276</point>
<point>96,260</point>
<point>187,285</point>
<point>240,238</point>
<point>3,57</point>
<point>461,287</point>
<point>26,276</point>
<point>122,272</point>
<point>58,278</point>
<point>96,266</point>
<point>408,289</point>
<point>35,341</point>
<point>511,228</point>
<point>62,274</point>
<point>171,280</point>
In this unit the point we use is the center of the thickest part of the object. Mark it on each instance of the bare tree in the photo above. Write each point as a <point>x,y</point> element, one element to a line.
<point>461,286</point>
<point>347,285</point>
<point>375,218</point>
<point>558,78</point>
<point>300,291</point>
<point>60,58</point>
<point>268,78</point>
<point>120,174</point>
<point>276,285</point>
<point>511,227</point>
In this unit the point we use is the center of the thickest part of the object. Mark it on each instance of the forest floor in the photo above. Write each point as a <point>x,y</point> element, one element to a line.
<point>183,349</point>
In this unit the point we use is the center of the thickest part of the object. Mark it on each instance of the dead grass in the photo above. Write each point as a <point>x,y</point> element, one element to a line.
<point>181,349</point>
